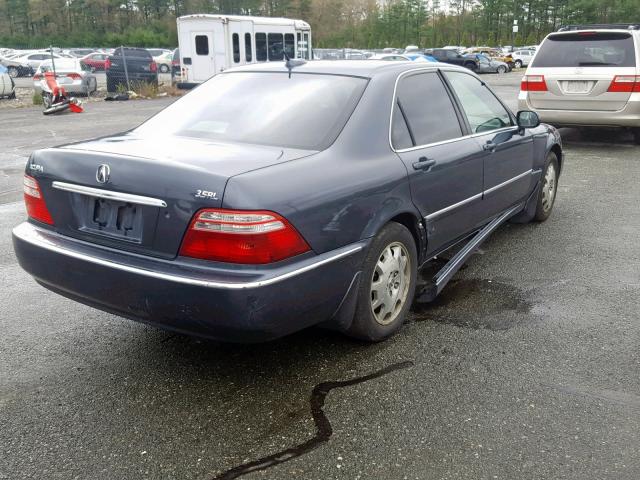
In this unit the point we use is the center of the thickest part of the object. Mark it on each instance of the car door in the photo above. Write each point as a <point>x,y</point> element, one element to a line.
<point>443,164</point>
<point>508,152</point>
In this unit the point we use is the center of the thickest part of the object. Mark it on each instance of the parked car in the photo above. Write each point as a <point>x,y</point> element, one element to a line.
<point>35,59</point>
<point>224,217</point>
<point>492,54</point>
<point>96,61</point>
<point>488,65</point>
<point>522,58</point>
<point>79,52</point>
<point>140,68</point>
<point>16,68</point>
<point>586,75</point>
<point>164,62</point>
<point>71,73</point>
<point>7,85</point>
<point>391,57</point>
<point>176,69</point>
<point>449,55</point>
<point>419,57</point>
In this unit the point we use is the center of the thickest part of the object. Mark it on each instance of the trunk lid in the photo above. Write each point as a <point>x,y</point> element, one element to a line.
<point>128,210</point>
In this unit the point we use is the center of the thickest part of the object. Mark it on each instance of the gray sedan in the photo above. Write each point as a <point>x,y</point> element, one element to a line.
<point>488,65</point>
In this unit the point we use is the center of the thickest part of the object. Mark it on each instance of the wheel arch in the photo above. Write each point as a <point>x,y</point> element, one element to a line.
<point>413,222</point>
<point>557,150</point>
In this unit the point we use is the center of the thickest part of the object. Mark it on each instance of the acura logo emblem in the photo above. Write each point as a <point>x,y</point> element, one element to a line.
<point>103,173</point>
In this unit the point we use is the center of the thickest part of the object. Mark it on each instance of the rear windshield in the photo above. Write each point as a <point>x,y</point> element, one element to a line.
<point>132,53</point>
<point>586,49</point>
<point>305,111</point>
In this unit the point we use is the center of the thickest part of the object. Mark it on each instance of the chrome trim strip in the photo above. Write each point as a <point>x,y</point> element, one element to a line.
<point>109,194</point>
<point>433,215</point>
<point>511,180</point>
<point>443,67</point>
<point>30,234</point>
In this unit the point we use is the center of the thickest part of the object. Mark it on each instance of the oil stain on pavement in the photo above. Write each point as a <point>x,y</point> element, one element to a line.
<point>322,424</point>
<point>477,304</point>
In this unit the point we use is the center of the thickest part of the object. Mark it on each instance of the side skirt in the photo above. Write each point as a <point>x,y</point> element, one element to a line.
<point>431,290</point>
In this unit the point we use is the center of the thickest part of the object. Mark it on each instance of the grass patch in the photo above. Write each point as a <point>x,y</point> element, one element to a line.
<point>37,99</point>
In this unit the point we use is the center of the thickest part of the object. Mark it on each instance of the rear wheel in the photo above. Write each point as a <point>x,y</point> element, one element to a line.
<point>471,66</point>
<point>548,189</point>
<point>164,68</point>
<point>13,72</point>
<point>387,284</point>
<point>518,63</point>
<point>502,69</point>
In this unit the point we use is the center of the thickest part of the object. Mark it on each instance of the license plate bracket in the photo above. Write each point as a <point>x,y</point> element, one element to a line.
<point>120,220</point>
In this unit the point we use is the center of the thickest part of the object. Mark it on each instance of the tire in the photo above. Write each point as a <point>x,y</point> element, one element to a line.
<point>636,136</point>
<point>164,68</point>
<point>471,66</point>
<point>518,63</point>
<point>12,96</point>
<point>374,319</point>
<point>13,72</point>
<point>502,69</point>
<point>548,189</point>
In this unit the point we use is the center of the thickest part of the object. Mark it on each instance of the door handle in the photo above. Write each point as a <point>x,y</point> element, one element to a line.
<point>489,147</point>
<point>424,163</point>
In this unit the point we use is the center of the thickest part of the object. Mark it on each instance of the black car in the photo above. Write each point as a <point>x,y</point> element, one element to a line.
<point>134,64</point>
<point>448,55</point>
<point>272,198</point>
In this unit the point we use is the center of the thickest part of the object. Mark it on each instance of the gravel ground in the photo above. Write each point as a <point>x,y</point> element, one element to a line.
<point>525,368</point>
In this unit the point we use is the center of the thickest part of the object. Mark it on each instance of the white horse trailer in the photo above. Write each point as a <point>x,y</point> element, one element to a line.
<point>210,44</point>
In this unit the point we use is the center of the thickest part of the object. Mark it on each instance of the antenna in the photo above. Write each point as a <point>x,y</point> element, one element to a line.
<point>291,63</point>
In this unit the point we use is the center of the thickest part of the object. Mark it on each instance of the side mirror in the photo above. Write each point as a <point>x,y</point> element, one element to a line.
<point>527,119</point>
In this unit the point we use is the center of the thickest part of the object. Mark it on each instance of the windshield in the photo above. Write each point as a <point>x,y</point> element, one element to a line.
<point>587,49</point>
<point>305,111</point>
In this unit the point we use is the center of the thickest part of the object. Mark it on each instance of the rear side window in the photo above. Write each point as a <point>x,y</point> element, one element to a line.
<point>400,135</point>
<point>482,109</point>
<point>428,109</point>
<point>586,49</point>
<point>261,47</point>
<point>276,46</point>
<point>247,47</point>
<point>202,45</point>
<point>235,40</point>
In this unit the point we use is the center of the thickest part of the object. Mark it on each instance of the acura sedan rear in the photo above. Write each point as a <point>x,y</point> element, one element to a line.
<point>271,199</point>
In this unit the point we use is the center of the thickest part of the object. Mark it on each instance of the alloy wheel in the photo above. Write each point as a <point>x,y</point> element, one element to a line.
<point>549,188</point>
<point>390,283</point>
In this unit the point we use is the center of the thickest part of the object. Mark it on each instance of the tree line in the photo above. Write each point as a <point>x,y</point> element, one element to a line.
<point>334,23</point>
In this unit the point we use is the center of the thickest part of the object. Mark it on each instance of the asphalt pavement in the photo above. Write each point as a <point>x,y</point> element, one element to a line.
<point>527,366</point>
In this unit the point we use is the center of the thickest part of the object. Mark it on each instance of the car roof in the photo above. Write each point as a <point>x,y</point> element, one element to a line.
<point>358,68</point>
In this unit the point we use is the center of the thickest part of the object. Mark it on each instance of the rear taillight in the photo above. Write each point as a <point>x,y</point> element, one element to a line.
<point>249,237</point>
<point>33,199</point>
<point>625,83</point>
<point>533,83</point>
<point>153,67</point>
<point>74,76</point>
<point>37,77</point>
<point>107,64</point>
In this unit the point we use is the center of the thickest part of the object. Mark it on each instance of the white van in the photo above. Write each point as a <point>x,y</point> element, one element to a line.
<point>210,44</point>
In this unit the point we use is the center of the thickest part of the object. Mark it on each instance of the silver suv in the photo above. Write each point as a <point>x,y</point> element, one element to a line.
<point>586,76</point>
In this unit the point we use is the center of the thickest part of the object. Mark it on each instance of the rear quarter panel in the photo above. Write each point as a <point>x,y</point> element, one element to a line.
<point>343,194</point>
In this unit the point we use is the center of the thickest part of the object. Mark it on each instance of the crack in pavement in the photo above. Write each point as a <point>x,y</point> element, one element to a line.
<point>323,426</point>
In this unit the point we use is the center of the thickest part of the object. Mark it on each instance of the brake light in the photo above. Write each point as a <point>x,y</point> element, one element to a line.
<point>74,76</point>
<point>153,67</point>
<point>248,237</point>
<point>625,83</point>
<point>107,64</point>
<point>34,201</point>
<point>37,77</point>
<point>533,83</point>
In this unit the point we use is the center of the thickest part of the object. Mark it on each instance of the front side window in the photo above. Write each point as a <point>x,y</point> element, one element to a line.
<point>483,110</point>
<point>428,109</point>
<point>276,46</point>
<point>202,45</point>
<point>261,47</point>
<point>247,47</point>
<point>235,41</point>
<point>306,111</point>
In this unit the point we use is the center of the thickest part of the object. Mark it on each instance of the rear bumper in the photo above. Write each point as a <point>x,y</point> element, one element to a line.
<point>629,116</point>
<point>201,298</point>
